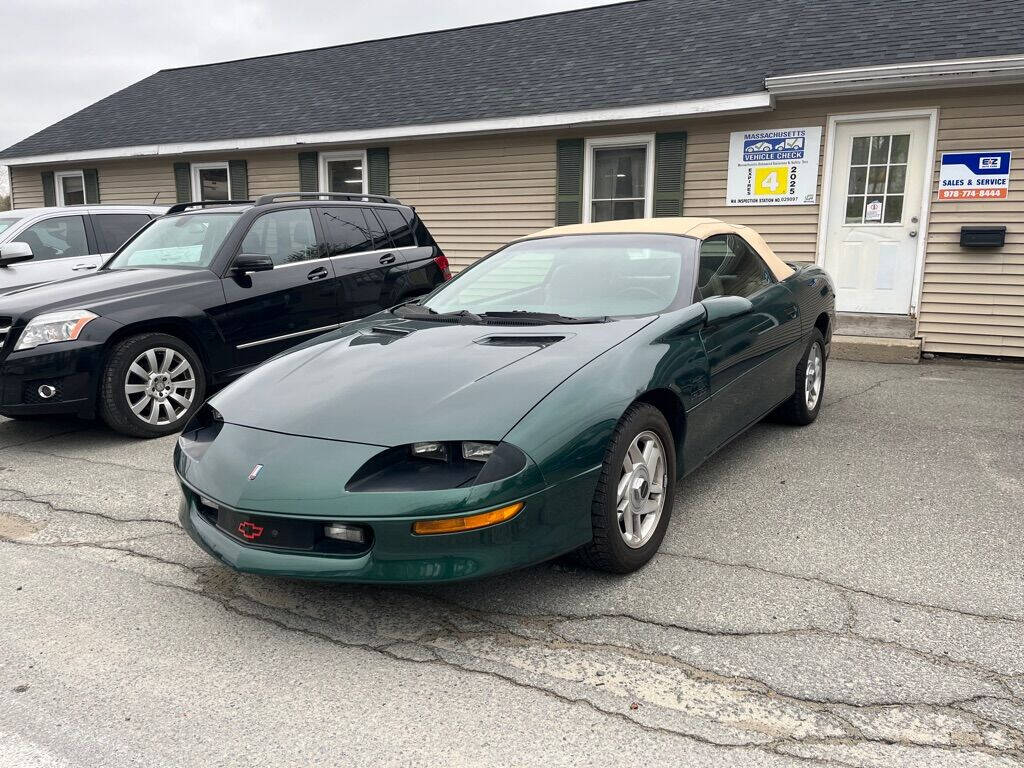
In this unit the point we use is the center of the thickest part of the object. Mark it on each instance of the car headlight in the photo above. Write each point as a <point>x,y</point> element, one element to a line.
<point>438,465</point>
<point>53,327</point>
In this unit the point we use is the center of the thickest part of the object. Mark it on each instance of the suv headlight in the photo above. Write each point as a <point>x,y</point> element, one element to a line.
<point>54,326</point>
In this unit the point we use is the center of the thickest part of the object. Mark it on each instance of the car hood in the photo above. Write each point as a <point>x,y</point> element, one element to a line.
<point>97,291</point>
<point>393,381</point>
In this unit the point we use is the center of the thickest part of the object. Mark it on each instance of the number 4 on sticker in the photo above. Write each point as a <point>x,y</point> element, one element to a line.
<point>771,181</point>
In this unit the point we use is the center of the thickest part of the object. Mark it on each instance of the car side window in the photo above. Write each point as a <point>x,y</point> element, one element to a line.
<point>397,226</point>
<point>57,238</point>
<point>347,230</point>
<point>730,267</point>
<point>113,229</point>
<point>286,236</point>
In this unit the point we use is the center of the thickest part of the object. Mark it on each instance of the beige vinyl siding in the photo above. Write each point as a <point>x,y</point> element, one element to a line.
<point>477,194</point>
<point>272,172</point>
<point>26,188</point>
<point>136,182</point>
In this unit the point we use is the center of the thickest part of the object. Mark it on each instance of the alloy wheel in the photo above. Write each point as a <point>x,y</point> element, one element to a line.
<point>813,374</point>
<point>160,386</point>
<point>641,489</point>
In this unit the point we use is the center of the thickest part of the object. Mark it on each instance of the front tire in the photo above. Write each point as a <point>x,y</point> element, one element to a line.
<point>633,501</point>
<point>151,385</point>
<point>804,404</point>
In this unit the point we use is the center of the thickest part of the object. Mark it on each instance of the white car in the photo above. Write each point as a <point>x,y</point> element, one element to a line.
<point>40,245</point>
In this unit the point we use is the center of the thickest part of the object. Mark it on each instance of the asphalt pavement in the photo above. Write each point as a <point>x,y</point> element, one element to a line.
<point>850,594</point>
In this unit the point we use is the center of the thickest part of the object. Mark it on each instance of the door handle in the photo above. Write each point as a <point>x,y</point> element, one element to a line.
<point>388,258</point>
<point>913,233</point>
<point>83,266</point>
<point>317,274</point>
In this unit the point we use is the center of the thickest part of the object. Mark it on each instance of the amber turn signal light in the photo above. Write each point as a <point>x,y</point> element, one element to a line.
<point>467,523</point>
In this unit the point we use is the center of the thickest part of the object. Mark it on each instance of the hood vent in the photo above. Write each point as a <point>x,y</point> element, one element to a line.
<point>390,330</point>
<point>508,340</point>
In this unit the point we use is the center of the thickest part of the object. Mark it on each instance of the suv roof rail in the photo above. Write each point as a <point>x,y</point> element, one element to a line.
<point>179,207</point>
<point>356,196</point>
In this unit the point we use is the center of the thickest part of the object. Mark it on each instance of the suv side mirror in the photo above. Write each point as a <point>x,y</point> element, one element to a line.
<point>722,308</point>
<point>251,262</point>
<point>12,253</point>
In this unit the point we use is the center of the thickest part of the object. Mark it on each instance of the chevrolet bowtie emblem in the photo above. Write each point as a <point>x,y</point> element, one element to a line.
<point>255,471</point>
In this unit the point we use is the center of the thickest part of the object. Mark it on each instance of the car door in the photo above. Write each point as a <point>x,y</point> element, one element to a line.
<point>267,312</point>
<point>363,259</point>
<point>113,229</point>
<point>61,248</point>
<point>748,356</point>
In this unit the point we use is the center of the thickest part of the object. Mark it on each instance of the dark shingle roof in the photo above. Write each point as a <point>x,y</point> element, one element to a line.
<point>610,56</point>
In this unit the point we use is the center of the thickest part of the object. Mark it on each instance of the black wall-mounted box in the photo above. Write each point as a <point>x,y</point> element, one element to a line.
<point>982,237</point>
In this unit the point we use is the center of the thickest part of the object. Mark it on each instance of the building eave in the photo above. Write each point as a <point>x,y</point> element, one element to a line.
<point>995,70</point>
<point>723,105</point>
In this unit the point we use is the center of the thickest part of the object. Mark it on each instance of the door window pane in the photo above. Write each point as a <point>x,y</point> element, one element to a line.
<point>347,230</point>
<point>113,229</point>
<point>618,188</point>
<point>879,150</point>
<point>59,238</point>
<point>876,179</point>
<point>897,179</point>
<point>398,228</point>
<point>855,209</point>
<point>72,190</point>
<point>878,168</point>
<point>345,176</point>
<point>858,180</point>
<point>900,148</point>
<point>285,236</point>
<point>859,155</point>
<point>213,184</point>
<point>730,267</point>
<point>893,209</point>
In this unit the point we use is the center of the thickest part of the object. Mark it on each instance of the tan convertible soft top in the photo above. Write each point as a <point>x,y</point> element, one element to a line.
<point>690,226</point>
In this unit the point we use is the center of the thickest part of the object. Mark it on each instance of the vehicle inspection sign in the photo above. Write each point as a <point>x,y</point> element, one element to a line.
<point>974,175</point>
<point>773,167</point>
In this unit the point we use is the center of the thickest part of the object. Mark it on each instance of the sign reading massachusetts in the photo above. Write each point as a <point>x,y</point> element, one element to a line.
<point>773,167</point>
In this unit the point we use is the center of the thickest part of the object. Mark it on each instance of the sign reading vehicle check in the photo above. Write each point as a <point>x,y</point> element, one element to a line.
<point>773,167</point>
<point>974,175</point>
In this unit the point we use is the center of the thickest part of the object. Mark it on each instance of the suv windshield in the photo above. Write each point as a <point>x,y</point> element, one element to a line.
<point>5,222</point>
<point>576,276</point>
<point>188,241</point>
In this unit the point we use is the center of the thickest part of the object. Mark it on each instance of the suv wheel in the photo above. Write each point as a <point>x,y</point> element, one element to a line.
<point>151,385</point>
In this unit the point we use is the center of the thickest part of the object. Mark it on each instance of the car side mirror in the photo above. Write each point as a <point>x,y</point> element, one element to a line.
<point>12,253</point>
<point>718,309</point>
<point>251,262</point>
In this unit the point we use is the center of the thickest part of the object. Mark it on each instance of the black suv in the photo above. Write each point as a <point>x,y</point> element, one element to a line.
<point>202,295</point>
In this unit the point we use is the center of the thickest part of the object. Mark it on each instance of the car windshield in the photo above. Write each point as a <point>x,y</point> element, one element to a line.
<point>7,221</point>
<point>578,276</point>
<point>189,241</point>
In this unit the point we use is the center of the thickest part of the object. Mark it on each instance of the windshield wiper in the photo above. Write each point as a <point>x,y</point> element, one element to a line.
<point>426,313</point>
<point>540,318</point>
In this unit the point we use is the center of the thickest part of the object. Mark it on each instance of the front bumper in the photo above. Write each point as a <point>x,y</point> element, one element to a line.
<point>71,368</point>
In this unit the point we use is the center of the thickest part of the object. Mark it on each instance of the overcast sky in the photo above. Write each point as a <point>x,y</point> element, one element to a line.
<point>58,56</point>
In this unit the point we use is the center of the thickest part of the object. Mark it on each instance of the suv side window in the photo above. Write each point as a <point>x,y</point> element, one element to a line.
<point>57,238</point>
<point>730,267</point>
<point>286,236</point>
<point>112,229</point>
<point>346,229</point>
<point>397,227</point>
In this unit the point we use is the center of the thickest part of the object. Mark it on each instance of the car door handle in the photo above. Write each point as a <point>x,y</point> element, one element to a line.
<point>792,313</point>
<point>388,258</point>
<point>83,266</point>
<point>317,274</point>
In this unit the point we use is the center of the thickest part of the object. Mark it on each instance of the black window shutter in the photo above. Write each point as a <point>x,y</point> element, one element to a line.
<point>308,163</point>
<point>378,172</point>
<point>669,170</point>
<point>183,182</point>
<point>49,191</point>
<point>569,181</point>
<point>238,172</point>
<point>91,180</point>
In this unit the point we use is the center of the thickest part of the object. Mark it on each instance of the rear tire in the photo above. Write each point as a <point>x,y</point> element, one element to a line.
<point>151,385</point>
<point>633,501</point>
<point>804,404</point>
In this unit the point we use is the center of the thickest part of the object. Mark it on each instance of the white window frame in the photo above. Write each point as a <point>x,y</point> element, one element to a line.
<point>645,140</point>
<point>58,184</point>
<point>197,187</point>
<point>326,157</point>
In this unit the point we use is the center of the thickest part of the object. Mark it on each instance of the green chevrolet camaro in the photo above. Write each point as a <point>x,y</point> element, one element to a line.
<point>543,402</point>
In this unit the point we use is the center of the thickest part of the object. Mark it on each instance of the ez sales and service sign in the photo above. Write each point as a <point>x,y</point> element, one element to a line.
<point>774,167</point>
<point>974,175</point>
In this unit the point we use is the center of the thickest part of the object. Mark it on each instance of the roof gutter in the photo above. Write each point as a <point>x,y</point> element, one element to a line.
<point>993,70</point>
<point>749,102</point>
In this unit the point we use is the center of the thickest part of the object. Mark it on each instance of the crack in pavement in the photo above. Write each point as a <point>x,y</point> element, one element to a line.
<point>44,439</point>
<point>24,497</point>
<point>168,473</point>
<point>858,393</point>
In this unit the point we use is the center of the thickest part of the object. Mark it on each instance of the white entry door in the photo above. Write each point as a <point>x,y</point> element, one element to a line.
<point>873,226</point>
